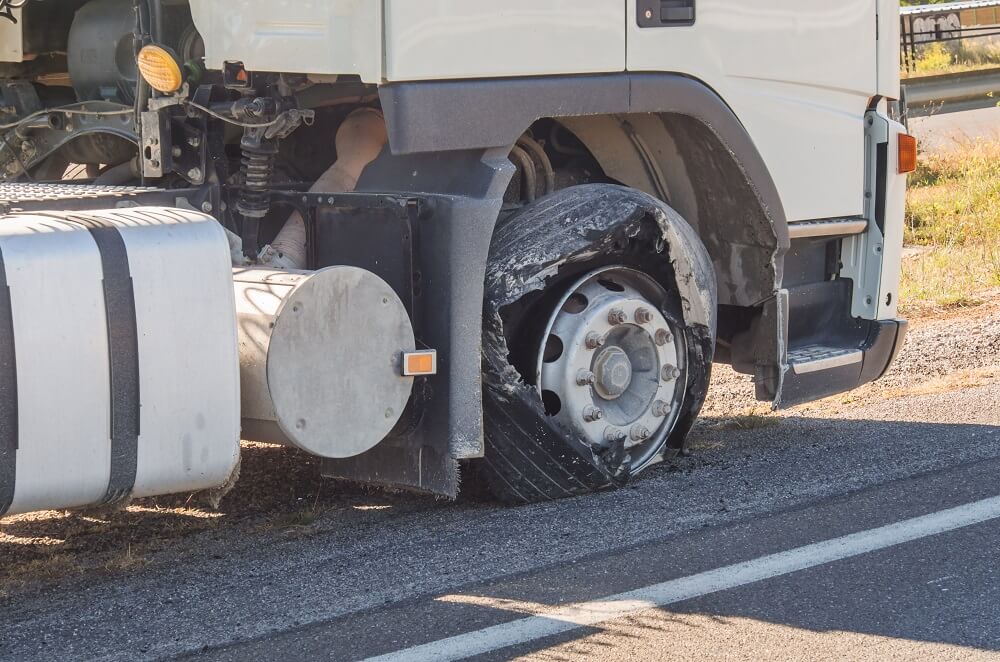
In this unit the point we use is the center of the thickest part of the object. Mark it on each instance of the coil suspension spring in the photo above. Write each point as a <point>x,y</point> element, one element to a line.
<point>259,155</point>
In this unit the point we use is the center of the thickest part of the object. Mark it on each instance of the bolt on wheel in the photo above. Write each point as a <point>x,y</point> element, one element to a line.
<point>612,367</point>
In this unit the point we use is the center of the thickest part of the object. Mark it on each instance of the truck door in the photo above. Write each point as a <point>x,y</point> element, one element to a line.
<point>798,73</point>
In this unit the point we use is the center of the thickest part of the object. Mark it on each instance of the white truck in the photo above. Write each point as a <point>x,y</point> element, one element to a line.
<point>423,239</point>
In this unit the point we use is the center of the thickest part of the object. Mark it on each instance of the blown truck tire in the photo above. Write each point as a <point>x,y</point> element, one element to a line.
<point>598,337</point>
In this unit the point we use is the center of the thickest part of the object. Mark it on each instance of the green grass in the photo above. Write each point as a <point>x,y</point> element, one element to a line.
<point>953,219</point>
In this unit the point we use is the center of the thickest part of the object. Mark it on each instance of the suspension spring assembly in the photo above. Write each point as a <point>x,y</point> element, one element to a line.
<point>259,154</point>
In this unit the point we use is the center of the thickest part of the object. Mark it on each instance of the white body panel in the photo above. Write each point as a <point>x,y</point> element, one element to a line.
<point>491,38</point>
<point>798,73</point>
<point>11,39</point>
<point>188,365</point>
<point>888,43</point>
<point>298,36</point>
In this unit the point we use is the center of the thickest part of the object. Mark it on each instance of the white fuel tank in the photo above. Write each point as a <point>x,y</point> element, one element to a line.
<point>119,371</point>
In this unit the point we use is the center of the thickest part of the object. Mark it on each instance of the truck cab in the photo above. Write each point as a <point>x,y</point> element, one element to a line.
<point>500,241</point>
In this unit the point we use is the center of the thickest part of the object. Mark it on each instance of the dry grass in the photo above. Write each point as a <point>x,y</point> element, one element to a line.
<point>953,216</point>
<point>281,490</point>
<point>755,417</point>
<point>955,381</point>
<point>941,58</point>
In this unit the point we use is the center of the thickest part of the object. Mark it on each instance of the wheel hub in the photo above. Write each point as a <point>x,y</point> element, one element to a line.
<point>612,367</point>
<point>613,372</point>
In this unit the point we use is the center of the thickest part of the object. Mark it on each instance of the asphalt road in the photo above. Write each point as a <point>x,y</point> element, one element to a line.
<point>418,572</point>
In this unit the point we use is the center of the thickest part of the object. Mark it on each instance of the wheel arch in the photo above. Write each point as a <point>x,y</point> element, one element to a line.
<point>665,134</point>
<point>452,139</point>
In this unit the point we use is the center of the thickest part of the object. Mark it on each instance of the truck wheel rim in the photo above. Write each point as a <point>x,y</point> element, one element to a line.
<point>612,364</point>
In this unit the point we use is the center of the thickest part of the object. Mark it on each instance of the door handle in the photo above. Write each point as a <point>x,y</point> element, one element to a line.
<point>665,13</point>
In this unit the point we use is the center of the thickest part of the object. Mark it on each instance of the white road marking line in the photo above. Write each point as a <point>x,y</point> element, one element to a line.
<point>584,614</point>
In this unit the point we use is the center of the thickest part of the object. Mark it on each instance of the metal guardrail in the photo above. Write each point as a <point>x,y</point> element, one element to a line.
<point>950,93</point>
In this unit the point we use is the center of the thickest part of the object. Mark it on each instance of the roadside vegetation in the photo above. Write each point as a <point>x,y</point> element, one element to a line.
<point>955,57</point>
<point>952,232</point>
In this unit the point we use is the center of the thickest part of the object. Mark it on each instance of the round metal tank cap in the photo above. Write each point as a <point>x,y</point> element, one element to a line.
<point>333,368</point>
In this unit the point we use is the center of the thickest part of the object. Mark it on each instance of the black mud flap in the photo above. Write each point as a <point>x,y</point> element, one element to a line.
<point>529,456</point>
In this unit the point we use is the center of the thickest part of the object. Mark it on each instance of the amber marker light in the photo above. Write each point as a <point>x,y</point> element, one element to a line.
<point>416,364</point>
<point>907,153</point>
<point>160,69</point>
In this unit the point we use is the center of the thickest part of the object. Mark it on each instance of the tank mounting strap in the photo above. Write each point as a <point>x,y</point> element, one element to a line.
<point>8,396</point>
<point>123,351</point>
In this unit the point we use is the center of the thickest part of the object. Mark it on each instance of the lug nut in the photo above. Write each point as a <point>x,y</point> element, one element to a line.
<point>643,316</point>
<point>617,316</point>
<point>594,340</point>
<point>585,378</point>
<point>592,413</point>
<point>670,372</point>
<point>660,409</point>
<point>639,433</point>
<point>614,435</point>
<point>663,337</point>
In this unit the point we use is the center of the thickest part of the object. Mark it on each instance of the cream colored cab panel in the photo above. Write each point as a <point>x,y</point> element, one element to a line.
<point>888,48</point>
<point>799,75</point>
<point>439,39</point>
<point>11,39</point>
<point>298,36</point>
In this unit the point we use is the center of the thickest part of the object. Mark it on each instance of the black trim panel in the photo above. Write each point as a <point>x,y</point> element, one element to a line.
<point>8,396</point>
<point>885,340</point>
<point>123,352</point>
<point>440,116</point>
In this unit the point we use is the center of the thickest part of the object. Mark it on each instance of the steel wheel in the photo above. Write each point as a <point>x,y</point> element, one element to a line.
<point>612,366</point>
<point>596,359</point>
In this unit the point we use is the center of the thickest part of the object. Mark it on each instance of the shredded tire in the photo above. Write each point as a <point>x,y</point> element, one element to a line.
<point>533,257</point>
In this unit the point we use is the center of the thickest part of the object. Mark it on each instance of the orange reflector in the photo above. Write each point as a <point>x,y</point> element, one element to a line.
<point>416,364</point>
<point>160,69</point>
<point>907,153</point>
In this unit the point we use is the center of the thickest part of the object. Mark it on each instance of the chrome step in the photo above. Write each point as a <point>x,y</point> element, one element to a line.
<point>21,192</point>
<point>839,227</point>
<point>814,358</point>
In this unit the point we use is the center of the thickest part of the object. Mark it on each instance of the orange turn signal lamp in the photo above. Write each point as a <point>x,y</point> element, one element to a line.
<point>419,364</point>
<point>160,68</point>
<point>907,153</point>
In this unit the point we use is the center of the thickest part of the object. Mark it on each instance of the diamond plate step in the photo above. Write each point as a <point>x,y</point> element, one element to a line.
<point>21,192</point>
<point>814,358</point>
